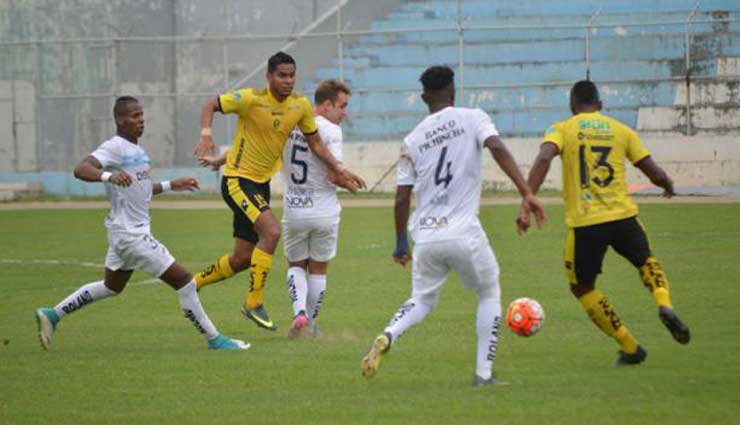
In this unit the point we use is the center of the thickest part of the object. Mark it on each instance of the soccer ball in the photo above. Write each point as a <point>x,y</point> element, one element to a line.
<point>525,316</point>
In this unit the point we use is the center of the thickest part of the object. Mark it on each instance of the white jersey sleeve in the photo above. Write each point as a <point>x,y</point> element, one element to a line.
<point>484,127</point>
<point>109,154</point>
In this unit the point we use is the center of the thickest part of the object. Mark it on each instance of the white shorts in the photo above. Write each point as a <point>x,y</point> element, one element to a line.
<point>314,238</point>
<point>127,251</point>
<point>471,257</point>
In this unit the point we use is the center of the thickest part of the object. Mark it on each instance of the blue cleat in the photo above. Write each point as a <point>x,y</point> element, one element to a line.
<point>223,342</point>
<point>47,320</point>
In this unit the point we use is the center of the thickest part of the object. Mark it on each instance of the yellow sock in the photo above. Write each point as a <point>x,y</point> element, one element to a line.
<point>216,272</point>
<point>261,263</point>
<point>603,315</point>
<point>655,280</point>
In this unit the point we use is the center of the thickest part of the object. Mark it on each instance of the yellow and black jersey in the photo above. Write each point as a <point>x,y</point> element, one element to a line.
<point>263,127</point>
<point>593,148</point>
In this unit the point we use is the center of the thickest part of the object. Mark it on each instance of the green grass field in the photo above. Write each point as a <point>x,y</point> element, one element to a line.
<point>135,360</point>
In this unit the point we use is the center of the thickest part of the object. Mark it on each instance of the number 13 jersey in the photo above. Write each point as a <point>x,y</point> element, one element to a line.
<point>593,148</point>
<point>441,158</point>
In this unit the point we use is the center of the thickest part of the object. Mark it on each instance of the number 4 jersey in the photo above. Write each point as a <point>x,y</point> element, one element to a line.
<point>307,191</point>
<point>441,158</point>
<point>593,148</point>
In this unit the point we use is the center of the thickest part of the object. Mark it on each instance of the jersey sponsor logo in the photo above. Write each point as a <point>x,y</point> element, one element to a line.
<point>440,135</point>
<point>237,95</point>
<point>143,175</point>
<point>431,222</point>
<point>597,125</point>
<point>298,201</point>
<point>604,137</point>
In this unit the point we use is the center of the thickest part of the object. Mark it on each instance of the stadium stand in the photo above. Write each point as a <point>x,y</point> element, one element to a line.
<point>521,75</point>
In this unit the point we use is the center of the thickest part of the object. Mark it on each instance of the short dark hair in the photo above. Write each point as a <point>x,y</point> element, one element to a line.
<point>437,78</point>
<point>584,92</point>
<point>278,58</point>
<point>121,106</point>
<point>329,90</point>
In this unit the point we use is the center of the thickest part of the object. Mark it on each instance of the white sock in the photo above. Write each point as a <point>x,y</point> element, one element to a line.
<point>297,289</point>
<point>86,294</point>
<point>410,313</point>
<point>487,325</point>
<point>190,304</point>
<point>316,290</point>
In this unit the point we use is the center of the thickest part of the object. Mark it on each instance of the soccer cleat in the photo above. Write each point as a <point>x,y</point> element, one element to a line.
<point>315,331</point>
<point>679,331</point>
<point>47,320</point>
<point>223,342</point>
<point>300,324</point>
<point>259,316</point>
<point>629,359</point>
<point>480,382</point>
<point>371,361</point>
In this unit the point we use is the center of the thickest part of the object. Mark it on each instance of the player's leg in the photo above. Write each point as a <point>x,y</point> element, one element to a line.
<point>584,253</point>
<point>477,268</point>
<point>429,272</point>
<point>295,247</point>
<point>322,248</point>
<point>183,283</point>
<point>114,282</point>
<point>632,243</point>
<point>317,278</point>
<point>244,240</point>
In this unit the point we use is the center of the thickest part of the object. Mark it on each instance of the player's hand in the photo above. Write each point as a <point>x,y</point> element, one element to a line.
<point>349,180</point>
<point>530,204</point>
<point>210,161</point>
<point>205,147</point>
<point>184,183</point>
<point>401,253</point>
<point>120,179</point>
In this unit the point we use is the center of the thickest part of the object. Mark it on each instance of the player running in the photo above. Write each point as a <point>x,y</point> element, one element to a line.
<point>266,119</point>
<point>123,166</point>
<point>441,161</point>
<point>311,208</point>
<point>600,213</point>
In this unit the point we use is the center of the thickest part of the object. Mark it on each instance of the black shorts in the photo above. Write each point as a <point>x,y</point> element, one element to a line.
<point>586,246</point>
<point>247,199</point>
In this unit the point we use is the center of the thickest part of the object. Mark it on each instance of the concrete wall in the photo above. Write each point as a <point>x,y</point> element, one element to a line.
<point>708,162</point>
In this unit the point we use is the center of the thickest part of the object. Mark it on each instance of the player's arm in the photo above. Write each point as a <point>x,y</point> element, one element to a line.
<point>345,178</point>
<point>89,169</point>
<point>178,185</point>
<point>548,151</point>
<point>530,203</point>
<point>206,145</point>
<point>656,175</point>
<point>401,209</point>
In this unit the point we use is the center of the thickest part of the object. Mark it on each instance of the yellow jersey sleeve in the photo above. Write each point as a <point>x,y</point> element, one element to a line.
<point>307,124</point>
<point>235,102</point>
<point>636,151</point>
<point>554,134</point>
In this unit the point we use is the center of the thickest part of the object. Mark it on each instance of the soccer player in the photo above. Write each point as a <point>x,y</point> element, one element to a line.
<point>311,209</point>
<point>123,166</point>
<point>600,213</point>
<point>266,119</point>
<point>441,161</point>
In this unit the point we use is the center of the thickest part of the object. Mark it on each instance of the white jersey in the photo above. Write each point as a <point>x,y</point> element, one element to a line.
<point>307,192</point>
<point>129,211</point>
<point>441,158</point>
